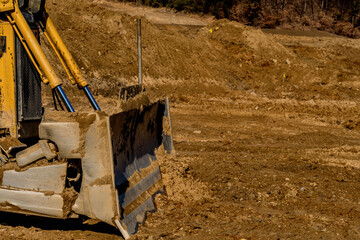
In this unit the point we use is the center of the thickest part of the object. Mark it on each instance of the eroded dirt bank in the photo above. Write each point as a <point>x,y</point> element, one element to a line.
<point>266,127</point>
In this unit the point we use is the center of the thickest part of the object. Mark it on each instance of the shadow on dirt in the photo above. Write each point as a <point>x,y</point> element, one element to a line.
<point>18,220</point>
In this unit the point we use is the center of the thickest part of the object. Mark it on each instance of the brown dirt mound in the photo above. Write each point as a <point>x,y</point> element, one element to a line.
<point>178,58</point>
<point>104,42</point>
<point>235,33</point>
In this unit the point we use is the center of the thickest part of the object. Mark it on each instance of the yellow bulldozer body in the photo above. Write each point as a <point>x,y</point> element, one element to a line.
<point>68,164</point>
<point>7,78</point>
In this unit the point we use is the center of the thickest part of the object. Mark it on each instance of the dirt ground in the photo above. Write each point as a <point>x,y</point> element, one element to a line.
<point>266,126</point>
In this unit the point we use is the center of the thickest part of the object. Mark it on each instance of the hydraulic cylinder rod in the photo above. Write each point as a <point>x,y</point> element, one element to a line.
<point>64,98</point>
<point>91,98</point>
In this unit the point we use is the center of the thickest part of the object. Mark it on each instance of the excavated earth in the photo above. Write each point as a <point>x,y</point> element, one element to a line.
<point>265,125</point>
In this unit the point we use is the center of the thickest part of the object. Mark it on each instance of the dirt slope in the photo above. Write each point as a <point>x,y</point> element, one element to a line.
<point>104,43</point>
<point>265,126</point>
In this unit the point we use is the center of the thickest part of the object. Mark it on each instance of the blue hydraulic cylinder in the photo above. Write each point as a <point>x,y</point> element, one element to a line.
<point>91,98</point>
<point>64,98</point>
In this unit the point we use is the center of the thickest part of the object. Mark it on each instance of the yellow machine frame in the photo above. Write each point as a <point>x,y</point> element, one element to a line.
<point>7,81</point>
<point>6,5</point>
<point>37,56</point>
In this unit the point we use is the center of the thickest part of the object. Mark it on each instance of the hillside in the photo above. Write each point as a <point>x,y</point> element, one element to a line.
<point>236,56</point>
<point>341,17</point>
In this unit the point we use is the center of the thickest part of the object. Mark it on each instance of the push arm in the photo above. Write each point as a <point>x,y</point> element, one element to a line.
<point>24,32</point>
<point>31,44</point>
<point>65,56</point>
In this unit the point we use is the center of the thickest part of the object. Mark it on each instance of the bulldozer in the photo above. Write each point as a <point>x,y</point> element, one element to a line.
<point>67,164</point>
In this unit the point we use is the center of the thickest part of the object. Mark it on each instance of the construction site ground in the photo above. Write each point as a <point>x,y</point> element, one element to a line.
<point>265,124</point>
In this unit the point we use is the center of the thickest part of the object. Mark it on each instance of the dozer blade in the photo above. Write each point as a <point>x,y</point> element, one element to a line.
<point>105,167</point>
<point>120,171</point>
<point>135,136</point>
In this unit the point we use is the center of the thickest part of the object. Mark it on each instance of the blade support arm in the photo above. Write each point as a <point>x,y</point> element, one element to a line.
<point>69,64</point>
<point>65,54</point>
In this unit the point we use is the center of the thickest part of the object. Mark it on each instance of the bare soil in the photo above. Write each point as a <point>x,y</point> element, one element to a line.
<point>265,125</point>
